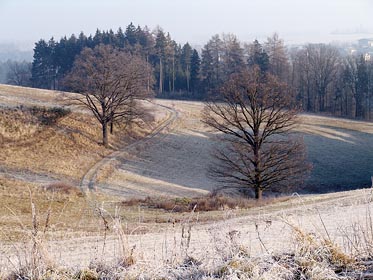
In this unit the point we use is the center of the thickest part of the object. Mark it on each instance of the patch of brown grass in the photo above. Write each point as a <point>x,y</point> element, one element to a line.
<point>43,132</point>
<point>67,148</point>
<point>64,188</point>
<point>47,141</point>
<point>71,213</point>
<point>16,125</point>
<point>201,204</point>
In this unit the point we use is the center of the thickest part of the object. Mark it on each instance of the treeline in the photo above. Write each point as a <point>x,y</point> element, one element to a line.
<point>325,79</point>
<point>176,67</point>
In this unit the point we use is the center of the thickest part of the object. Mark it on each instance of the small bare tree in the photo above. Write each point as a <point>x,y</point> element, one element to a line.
<point>256,113</point>
<point>111,82</point>
<point>19,73</point>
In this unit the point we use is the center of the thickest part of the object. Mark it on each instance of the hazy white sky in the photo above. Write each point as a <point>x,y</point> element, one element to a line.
<point>187,20</point>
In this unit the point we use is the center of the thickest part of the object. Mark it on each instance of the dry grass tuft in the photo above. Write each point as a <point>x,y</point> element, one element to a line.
<point>314,258</point>
<point>315,253</point>
<point>64,188</point>
<point>87,274</point>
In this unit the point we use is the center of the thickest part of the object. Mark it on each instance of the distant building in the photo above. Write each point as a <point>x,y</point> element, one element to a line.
<point>365,43</point>
<point>352,51</point>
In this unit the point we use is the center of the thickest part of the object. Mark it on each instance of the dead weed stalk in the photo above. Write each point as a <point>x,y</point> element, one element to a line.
<point>35,261</point>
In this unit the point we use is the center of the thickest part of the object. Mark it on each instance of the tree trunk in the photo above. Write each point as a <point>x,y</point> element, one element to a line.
<point>111,128</point>
<point>188,78</point>
<point>258,193</point>
<point>105,141</point>
<point>173,73</point>
<point>257,164</point>
<point>308,99</point>
<point>321,100</point>
<point>160,76</point>
<point>359,107</point>
<point>149,77</point>
<point>369,108</point>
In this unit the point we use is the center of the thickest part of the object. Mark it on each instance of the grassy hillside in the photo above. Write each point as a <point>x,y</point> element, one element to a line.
<point>42,133</point>
<point>46,146</point>
<point>341,152</point>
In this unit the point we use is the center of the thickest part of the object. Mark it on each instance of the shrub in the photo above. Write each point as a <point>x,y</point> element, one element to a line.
<point>212,202</point>
<point>49,116</point>
<point>64,188</point>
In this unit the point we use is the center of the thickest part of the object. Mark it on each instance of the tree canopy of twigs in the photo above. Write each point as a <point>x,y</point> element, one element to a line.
<point>255,114</point>
<point>111,83</point>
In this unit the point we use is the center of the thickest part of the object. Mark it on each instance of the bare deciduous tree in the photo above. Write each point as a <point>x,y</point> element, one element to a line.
<point>19,73</point>
<point>111,82</point>
<point>255,114</point>
<point>278,58</point>
<point>316,68</point>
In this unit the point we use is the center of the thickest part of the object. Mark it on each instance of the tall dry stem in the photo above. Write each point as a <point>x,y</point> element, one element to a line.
<point>126,253</point>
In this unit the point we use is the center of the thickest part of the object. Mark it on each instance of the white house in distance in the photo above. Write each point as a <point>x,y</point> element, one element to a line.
<point>365,47</point>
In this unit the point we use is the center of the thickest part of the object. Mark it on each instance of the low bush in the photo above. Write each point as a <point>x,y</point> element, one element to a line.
<point>64,188</point>
<point>212,202</point>
<point>49,116</point>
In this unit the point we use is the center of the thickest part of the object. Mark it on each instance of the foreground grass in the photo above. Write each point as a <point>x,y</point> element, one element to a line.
<point>61,212</point>
<point>75,214</point>
<point>33,216</point>
<point>313,256</point>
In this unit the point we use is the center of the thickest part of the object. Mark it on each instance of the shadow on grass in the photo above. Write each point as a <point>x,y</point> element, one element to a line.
<point>339,163</point>
<point>342,163</point>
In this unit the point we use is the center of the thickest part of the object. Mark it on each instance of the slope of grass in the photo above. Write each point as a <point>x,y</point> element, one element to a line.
<point>46,146</point>
<point>41,132</point>
<point>66,147</point>
<point>341,152</point>
<point>45,142</point>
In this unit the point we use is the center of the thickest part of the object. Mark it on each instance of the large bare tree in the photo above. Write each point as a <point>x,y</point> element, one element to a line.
<point>255,114</point>
<point>111,83</point>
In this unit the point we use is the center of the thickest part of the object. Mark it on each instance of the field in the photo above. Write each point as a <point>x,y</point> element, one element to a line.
<point>341,153</point>
<point>91,204</point>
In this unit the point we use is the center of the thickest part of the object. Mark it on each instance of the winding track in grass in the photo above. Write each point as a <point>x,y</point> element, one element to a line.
<point>89,179</point>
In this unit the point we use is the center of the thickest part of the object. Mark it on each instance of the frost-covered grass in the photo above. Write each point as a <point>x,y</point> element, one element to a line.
<point>341,152</point>
<point>188,249</point>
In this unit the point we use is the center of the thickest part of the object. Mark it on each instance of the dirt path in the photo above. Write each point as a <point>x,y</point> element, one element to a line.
<point>27,176</point>
<point>173,163</point>
<point>89,180</point>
